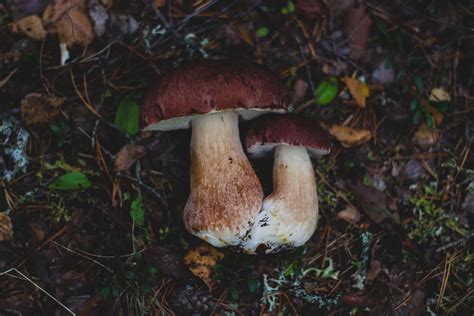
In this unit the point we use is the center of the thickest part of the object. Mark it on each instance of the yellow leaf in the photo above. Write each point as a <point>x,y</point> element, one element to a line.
<point>358,90</point>
<point>30,26</point>
<point>69,19</point>
<point>439,95</point>
<point>349,137</point>
<point>202,260</point>
<point>425,136</point>
<point>6,227</point>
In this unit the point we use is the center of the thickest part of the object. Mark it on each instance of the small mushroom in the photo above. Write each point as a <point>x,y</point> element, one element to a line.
<point>209,96</point>
<point>290,213</point>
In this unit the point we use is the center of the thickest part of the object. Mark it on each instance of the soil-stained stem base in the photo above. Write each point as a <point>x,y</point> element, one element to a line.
<point>226,195</point>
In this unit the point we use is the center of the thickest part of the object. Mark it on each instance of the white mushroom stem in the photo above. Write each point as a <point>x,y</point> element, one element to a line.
<point>290,214</point>
<point>226,195</point>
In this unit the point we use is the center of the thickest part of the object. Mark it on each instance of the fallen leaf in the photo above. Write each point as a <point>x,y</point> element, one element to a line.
<point>70,181</point>
<point>22,8</point>
<point>375,203</point>
<point>202,260</point>
<point>425,136</point>
<point>6,227</point>
<point>99,17</point>
<point>122,25</point>
<point>31,26</point>
<point>299,91</point>
<point>357,27</point>
<point>358,90</point>
<point>383,74</point>
<point>375,269</point>
<point>437,115</point>
<point>40,110</point>
<point>127,156</point>
<point>159,3</point>
<point>439,95</point>
<point>128,116</point>
<point>349,137</point>
<point>310,9</point>
<point>69,19</point>
<point>350,215</point>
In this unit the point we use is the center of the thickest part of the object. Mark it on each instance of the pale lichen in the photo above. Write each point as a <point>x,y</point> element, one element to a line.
<point>13,146</point>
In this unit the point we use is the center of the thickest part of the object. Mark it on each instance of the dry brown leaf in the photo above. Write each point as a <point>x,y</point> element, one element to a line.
<point>437,115</point>
<point>349,137</point>
<point>357,27</point>
<point>69,19</point>
<point>358,90</point>
<point>375,269</point>
<point>425,136</point>
<point>159,3</point>
<point>31,26</point>
<point>40,110</point>
<point>6,227</point>
<point>310,9</point>
<point>350,214</point>
<point>127,156</point>
<point>202,260</point>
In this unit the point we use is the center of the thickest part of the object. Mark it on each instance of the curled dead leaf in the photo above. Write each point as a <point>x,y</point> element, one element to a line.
<point>350,214</point>
<point>31,26</point>
<point>425,136</point>
<point>6,227</point>
<point>40,110</point>
<point>310,9</point>
<point>358,89</point>
<point>69,19</point>
<point>202,260</point>
<point>127,156</point>
<point>357,27</point>
<point>375,269</point>
<point>349,137</point>
<point>439,95</point>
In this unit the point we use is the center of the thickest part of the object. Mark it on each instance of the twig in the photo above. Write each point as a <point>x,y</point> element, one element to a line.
<point>84,256</point>
<point>38,287</point>
<point>456,242</point>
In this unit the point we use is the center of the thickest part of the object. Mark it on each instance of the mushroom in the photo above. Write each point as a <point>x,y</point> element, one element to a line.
<point>209,96</point>
<point>289,214</point>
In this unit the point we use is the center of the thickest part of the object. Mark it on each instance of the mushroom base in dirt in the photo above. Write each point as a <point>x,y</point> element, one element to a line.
<point>226,194</point>
<point>290,214</point>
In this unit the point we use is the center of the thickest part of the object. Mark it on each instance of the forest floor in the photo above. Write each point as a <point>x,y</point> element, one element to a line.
<point>91,207</point>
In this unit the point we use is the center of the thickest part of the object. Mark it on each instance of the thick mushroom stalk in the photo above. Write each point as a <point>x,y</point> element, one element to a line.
<point>289,215</point>
<point>226,194</point>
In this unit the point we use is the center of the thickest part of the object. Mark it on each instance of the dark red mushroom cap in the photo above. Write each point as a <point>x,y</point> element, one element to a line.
<point>211,86</point>
<point>269,131</point>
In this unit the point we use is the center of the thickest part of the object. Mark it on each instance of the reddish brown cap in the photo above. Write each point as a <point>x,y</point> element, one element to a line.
<point>206,86</point>
<point>269,131</point>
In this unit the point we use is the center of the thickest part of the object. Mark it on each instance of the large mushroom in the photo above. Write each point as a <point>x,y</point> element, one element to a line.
<point>290,213</point>
<point>209,96</point>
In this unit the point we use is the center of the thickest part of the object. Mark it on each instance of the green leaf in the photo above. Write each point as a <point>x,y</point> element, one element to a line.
<point>262,31</point>
<point>419,84</point>
<point>252,285</point>
<point>234,293</point>
<point>290,8</point>
<point>417,117</point>
<point>414,105</point>
<point>326,91</point>
<point>127,116</point>
<point>70,181</point>
<point>137,211</point>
